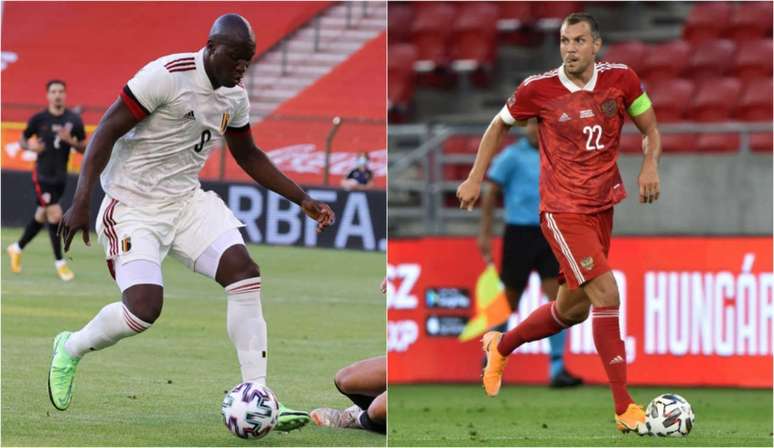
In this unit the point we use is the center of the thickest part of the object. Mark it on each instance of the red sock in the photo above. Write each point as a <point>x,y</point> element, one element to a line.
<point>543,322</point>
<point>612,353</point>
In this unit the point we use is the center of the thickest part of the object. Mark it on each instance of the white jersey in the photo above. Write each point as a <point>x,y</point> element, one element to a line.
<point>159,160</point>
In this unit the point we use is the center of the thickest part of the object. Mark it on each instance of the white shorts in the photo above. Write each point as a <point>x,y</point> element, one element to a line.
<point>183,230</point>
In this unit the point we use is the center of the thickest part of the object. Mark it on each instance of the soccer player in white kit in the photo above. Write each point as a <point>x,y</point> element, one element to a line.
<point>149,148</point>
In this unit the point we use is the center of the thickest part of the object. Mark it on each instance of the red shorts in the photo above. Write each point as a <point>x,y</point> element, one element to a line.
<point>580,243</point>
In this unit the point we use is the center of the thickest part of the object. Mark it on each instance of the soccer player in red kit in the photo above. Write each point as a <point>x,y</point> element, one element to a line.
<point>580,108</point>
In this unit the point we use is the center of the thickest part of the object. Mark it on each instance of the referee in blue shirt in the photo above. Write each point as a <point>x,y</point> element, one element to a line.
<point>515,172</point>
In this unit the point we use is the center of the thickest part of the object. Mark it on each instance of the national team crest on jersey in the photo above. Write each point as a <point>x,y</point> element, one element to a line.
<point>609,108</point>
<point>126,244</point>
<point>587,263</point>
<point>224,122</point>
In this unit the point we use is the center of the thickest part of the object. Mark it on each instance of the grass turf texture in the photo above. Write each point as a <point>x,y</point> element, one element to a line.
<point>164,387</point>
<point>461,415</point>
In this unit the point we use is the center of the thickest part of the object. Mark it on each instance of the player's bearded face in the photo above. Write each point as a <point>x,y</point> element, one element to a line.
<point>56,95</point>
<point>577,47</point>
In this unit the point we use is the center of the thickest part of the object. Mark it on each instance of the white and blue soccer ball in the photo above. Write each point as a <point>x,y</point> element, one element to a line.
<point>669,415</point>
<point>250,410</point>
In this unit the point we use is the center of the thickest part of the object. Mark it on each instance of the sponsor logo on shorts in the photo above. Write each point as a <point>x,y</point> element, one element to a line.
<point>126,244</point>
<point>609,108</point>
<point>587,263</point>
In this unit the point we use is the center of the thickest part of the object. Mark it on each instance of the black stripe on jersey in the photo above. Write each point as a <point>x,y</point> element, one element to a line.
<point>239,130</point>
<point>170,63</point>
<point>129,93</point>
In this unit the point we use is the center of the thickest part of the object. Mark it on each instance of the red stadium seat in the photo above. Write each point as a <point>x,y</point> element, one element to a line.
<point>753,59</point>
<point>711,59</point>
<point>474,40</point>
<point>715,99</point>
<point>514,16</point>
<point>430,33</point>
<point>678,143</point>
<point>761,142</point>
<point>755,103</point>
<point>707,20</point>
<point>750,21</point>
<point>630,53</point>
<point>400,16</point>
<point>461,144</point>
<point>400,76</point>
<point>666,61</point>
<point>549,15</point>
<point>671,98</point>
<point>718,142</point>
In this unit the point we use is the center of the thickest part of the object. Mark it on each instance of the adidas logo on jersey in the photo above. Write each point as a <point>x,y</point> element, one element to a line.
<point>564,118</point>
<point>190,116</point>
<point>616,360</point>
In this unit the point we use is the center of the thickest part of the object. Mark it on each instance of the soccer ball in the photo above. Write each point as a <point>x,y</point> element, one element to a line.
<point>250,410</point>
<point>669,415</point>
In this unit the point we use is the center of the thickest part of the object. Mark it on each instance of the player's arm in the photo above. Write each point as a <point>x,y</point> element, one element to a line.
<point>469,190</point>
<point>29,132</point>
<point>258,166</point>
<point>116,122</point>
<point>489,194</point>
<point>645,120</point>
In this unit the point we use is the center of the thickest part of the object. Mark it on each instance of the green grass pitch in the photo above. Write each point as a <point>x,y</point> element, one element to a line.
<point>164,387</point>
<point>461,415</point>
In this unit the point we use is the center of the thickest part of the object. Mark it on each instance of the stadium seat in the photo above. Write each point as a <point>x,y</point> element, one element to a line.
<point>430,33</point>
<point>400,16</point>
<point>461,144</point>
<point>755,102</point>
<point>474,37</point>
<point>750,21</point>
<point>678,143</point>
<point>400,78</point>
<point>549,15</point>
<point>630,53</point>
<point>671,98</point>
<point>761,142</point>
<point>715,99</point>
<point>707,20</point>
<point>753,59</point>
<point>514,16</point>
<point>666,61</point>
<point>727,142</point>
<point>711,58</point>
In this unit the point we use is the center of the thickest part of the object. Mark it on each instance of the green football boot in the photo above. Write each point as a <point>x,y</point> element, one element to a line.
<point>290,420</point>
<point>61,373</point>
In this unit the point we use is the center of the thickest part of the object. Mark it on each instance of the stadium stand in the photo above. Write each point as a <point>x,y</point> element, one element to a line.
<point>306,58</point>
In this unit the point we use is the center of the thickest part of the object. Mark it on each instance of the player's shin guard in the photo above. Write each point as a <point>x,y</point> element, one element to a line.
<point>113,323</point>
<point>612,353</point>
<point>247,329</point>
<point>543,322</point>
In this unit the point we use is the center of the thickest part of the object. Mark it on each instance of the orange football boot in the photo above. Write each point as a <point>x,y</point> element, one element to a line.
<point>632,420</point>
<point>492,375</point>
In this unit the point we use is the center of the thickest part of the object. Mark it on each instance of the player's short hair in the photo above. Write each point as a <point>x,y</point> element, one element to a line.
<point>55,81</point>
<point>578,17</point>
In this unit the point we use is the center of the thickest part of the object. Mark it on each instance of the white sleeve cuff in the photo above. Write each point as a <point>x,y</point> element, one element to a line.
<point>506,116</point>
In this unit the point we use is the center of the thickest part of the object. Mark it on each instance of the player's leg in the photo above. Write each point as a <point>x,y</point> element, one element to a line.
<point>30,231</point>
<point>137,271</point>
<point>53,217</point>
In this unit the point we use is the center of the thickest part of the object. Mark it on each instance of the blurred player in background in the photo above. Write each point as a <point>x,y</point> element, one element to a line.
<point>365,383</point>
<point>51,134</point>
<point>580,107</point>
<point>360,177</point>
<point>515,172</point>
<point>162,126</point>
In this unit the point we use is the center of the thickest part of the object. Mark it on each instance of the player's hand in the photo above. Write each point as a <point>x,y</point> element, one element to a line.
<point>383,286</point>
<point>35,144</point>
<point>320,212</point>
<point>650,186</point>
<point>468,193</point>
<point>65,136</point>
<point>75,219</point>
<point>485,247</point>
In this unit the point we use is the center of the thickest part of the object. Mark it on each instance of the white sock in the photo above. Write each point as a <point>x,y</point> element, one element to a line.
<point>59,263</point>
<point>246,328</point>
<point>113,323</point>
<point>15,247</point>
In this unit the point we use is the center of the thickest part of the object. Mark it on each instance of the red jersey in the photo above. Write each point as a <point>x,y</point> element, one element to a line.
<point>579,133</point>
